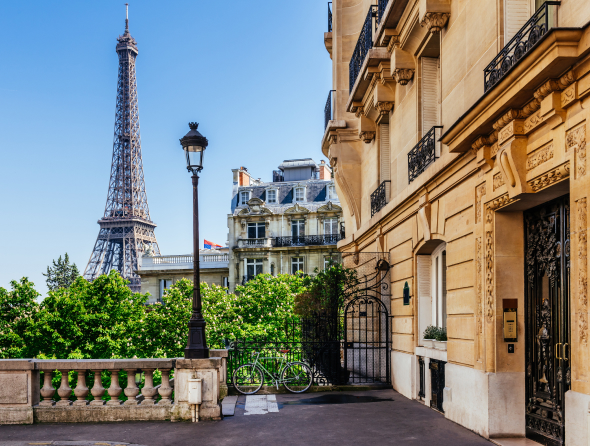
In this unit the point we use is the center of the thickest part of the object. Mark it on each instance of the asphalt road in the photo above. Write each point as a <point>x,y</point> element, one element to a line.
<point>377,417</point>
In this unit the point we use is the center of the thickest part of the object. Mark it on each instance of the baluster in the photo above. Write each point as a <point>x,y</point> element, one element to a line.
<point>64,391</point>
<point>47,391</point>
<point>97,389</point>
<point>165,388</point>
<point>148,390</point>
<point>115,389</point>
<point>81,391</point>
<point>132,390</point>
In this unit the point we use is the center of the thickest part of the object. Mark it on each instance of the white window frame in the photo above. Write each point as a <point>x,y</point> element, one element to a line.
<point>276,192</point>
<point>439,286</point>
<point>165,284</point>
<point>257,225</point>
<point>295,190</point>
<point>332,223</point>
<point>300,262</point>
<point>331,192</point>
<point>254,262</point>
<point>242,192</point>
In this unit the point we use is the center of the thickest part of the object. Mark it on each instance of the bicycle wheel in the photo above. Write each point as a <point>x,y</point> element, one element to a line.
<point>297,377</point>
<point>248,379</point>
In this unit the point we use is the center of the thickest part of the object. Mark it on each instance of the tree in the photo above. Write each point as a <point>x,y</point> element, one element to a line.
<point>61,274</point>
<point>18,314</point>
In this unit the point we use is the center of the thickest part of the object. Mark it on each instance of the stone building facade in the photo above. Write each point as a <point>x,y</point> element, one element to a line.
<point>457,134</point>
<point>158,273</point>
<point>288,225</point>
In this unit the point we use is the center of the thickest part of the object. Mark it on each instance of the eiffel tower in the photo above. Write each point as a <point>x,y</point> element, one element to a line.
<point>126,230</point>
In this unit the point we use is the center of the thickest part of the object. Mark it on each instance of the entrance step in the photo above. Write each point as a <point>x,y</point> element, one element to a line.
<point>517,441</point>
<point>228,405</point>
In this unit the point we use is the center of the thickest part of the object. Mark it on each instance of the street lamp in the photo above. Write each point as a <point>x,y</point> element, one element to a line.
<point>194,145</point>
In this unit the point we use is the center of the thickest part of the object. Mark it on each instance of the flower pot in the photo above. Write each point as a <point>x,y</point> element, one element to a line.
<point>440,345</point>
<point>428,343</point>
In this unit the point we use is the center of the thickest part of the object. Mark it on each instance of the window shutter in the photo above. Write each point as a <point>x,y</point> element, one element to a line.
<point>516,14</point>
<point>430,93</point>
<point>424,293</point>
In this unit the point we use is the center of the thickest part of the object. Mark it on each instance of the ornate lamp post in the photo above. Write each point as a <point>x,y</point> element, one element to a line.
<point>194,145</point>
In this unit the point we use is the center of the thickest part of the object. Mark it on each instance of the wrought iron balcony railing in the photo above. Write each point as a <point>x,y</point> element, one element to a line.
<point>379,198</point>
<point>423,154</point>
<point>254,242</point>
<point>524,40</point>
<point>328,109</point>
<point>381,10</point>
<point>307,240</point>
<point>363,45</point>
<point>329,17</point>
<point>277,176</point>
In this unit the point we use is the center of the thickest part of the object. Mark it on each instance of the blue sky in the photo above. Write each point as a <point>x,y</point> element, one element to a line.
<point>255,75</point>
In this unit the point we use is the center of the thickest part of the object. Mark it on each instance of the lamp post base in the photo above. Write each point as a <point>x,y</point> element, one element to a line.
<point>197,344</point>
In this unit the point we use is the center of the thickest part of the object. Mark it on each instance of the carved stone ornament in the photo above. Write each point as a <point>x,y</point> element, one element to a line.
<point>255,207</point>
<point>498,181</point>
<point>547,179</point>
<point>403,75</point>
<point>539,157</point>
<point>333,139</point>
<point>489,251</point>
<point>582,217</point>
<point>393,43</point>
<point>297,209</point>
<point>384,107</point>
<point>367,137</point>
<point>435,21</point>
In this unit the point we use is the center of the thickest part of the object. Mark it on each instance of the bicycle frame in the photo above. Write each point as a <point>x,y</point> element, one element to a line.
<point>275,379</point>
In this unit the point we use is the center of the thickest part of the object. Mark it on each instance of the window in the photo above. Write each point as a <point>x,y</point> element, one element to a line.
<point>271,196</point>
<point>328,261</point>
<point>296,264</point>
<point>244,197</point>
<point>164,285</point>
<point>253,267</point>
<point>256,230</point>
<point>331,192</point>
<point>430,93</point>
<point>297,228</point>
<point>272,269</point>
<point>432,289</point>
<point>299,194</point>
<point>225,282</point>
<point>331,226</point>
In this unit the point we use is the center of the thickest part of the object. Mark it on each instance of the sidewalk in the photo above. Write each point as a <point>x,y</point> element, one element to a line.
<point>374,418</point>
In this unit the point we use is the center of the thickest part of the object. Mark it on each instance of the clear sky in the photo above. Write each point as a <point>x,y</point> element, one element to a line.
<point>254,74</point>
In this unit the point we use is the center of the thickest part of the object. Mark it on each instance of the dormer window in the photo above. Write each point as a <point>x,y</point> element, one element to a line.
<point>331,192</point>
<point>271,196</point>
<point>244,197</point>
<point>299,194</point>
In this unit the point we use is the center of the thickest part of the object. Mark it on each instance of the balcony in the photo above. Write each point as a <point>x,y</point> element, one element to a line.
<point>307,240</point>
<point>177,262</point>
<point>329,17</point>
<point>521,44</point>
<point>381,6</point>
<point>424,153</point>
<point>379,197</point>
<point>255,242</point>
<point>329,109</point>
<point>328,35</point>
<point>363,45</point>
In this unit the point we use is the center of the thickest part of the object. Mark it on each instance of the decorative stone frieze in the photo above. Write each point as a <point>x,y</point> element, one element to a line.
<point>532,122</point>
<point>480,191</point>
<point>551,177</point>
<point>479,280</point>
<point>489,230</point>
<point>435,21</point>
<point>569,95</point>
<point>582,217</point>
<point>498,181</point>
<point>393,43</point>
<point>500,202</point>
<point>513,128</point>
<point>575,139</point>
<point>403,75</point>
<point>539,157</point>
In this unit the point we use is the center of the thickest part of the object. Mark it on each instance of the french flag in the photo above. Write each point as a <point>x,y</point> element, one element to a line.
<point>211,245</point>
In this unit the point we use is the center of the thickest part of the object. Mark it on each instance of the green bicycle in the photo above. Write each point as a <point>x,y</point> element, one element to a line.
<point>295,376</point>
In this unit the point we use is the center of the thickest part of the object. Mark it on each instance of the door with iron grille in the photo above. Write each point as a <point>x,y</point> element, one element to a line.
<point>366,340</point>
<point>547,337</point>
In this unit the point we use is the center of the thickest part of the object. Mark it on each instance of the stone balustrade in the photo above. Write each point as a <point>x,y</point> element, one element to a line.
<point>28,393</point>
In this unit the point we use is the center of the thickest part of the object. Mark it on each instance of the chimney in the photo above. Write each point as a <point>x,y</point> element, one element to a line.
<point>325,171</point>
<point>243,177</point>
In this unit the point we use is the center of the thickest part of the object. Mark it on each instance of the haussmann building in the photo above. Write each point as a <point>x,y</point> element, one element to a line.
<point>456,131</point>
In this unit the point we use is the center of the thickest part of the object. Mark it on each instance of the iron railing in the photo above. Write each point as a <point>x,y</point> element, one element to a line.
<point>381,10</point>
<point>328,109</point>
<point>423,154</point>
<point>363,45</point>
<point>379,198</point>
<point>307,240</point>
<point>329,17</point>
<point>524,40</point>
<point>278,176</point>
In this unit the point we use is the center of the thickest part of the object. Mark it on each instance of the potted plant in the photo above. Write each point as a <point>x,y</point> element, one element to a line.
<point>440,342</point>
<point>429,336</point>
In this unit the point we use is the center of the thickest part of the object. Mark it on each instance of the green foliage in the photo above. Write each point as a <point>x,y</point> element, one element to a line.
<point>430,332</point>
<point>18,315</point>
<point>104,319</point>
<point>326,291</point>
<point>90,320</point>
<point>441,334</point>
<point>62,274</point>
